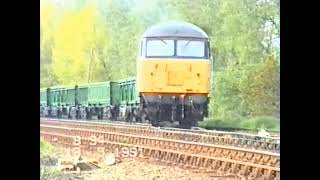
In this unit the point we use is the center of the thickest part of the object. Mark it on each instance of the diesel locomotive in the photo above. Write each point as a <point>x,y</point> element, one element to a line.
<point>173,73</point>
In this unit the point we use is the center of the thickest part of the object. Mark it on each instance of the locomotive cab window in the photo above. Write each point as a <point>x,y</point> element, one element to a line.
<point>160,47</point>
<point>190,48</point>
<point>174,48</point>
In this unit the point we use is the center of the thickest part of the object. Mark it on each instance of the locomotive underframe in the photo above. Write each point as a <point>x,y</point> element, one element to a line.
<point>187,109</point>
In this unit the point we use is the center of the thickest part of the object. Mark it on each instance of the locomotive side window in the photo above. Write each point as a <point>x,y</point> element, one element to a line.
<point>190,48</point>
<point>143,48</point>
<point>160,47</point>
<point>208,50</point>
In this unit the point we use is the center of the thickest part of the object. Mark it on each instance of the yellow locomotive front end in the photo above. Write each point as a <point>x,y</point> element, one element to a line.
<point>173,74</point>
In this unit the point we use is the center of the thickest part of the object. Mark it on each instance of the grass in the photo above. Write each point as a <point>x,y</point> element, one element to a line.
<point>47,151</point>
<point>47,172</point>
<point>262,122</point>
<point>253,124</point>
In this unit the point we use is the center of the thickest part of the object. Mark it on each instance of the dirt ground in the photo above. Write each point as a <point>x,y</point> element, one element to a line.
<point>132,169</point>
<point>138,169</point>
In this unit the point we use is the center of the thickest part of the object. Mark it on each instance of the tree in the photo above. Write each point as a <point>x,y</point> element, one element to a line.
<point>80,41</point>
<point>262,90</point>
<point>47,18</point>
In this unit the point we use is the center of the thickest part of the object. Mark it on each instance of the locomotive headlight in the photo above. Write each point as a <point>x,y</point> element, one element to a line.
<point>182,96</point>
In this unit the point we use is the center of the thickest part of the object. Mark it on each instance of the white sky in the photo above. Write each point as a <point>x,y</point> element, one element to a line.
<point>43,2</point>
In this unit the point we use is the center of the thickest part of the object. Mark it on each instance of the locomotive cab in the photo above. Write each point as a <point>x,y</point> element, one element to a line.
<point>173,72</point>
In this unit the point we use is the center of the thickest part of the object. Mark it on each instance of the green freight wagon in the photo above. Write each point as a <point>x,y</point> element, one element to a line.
<point>130,109</point>
<point>54,96</point>
<point>82,95</point>
<point>97,99</point>
<point>68,96</point>
<point>43,101</point>
<point>67,102</point>
<point>54,99</point>
<point>128,92</point>
<point>98,94</point>
<point>103,100</point>
<point>103,93</point>
<point>43,97</point>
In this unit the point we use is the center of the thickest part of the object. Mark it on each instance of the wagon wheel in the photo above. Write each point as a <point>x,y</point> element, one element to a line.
<point>49,112</point>
<point>45,112</point>
<point>73,113</point>
<point>83,114</point>
<point>101,113</point>
<point>88,114</point>
<point>108,113</point>
<point>78,115</point>
<point>128,117</point>
<point>137,115</point>
<point>58,114</point>
<point>53,112</point>
<point>133,115</point>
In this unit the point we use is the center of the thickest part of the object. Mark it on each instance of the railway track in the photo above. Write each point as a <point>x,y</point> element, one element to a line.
<point>242,162</point>
<point>209,137</point>
<point>225,133</point>
<point>274,138</point>
<point>200,131</point>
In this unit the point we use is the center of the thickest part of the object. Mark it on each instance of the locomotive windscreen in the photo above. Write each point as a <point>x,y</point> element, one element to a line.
<point>174,48</point>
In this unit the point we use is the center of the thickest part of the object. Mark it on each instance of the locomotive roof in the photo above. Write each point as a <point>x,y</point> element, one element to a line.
<point>175,29</point>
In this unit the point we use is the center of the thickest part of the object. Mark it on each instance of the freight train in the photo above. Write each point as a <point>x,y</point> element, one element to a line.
<point>171,87</point>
